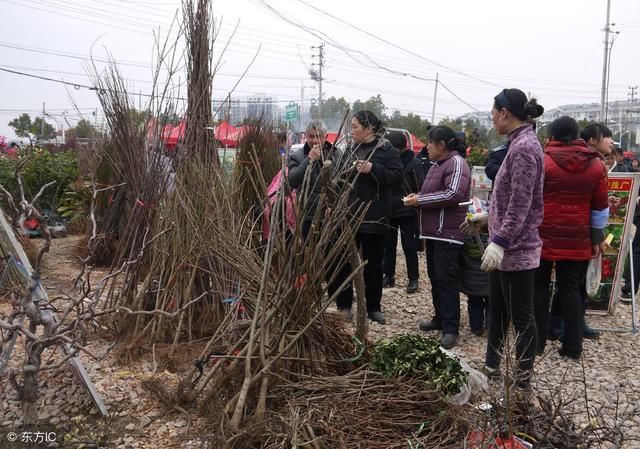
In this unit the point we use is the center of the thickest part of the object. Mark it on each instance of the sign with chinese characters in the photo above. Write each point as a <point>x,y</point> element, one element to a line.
<point>623,194</point>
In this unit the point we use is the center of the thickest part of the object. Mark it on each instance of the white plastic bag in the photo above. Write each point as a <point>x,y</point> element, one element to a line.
<point>594,275</point>
<point>476,381</point>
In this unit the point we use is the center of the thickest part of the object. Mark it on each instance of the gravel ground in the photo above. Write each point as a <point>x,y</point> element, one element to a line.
<point>611,371</point>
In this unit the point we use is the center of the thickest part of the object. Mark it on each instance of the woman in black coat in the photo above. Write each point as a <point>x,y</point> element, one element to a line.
<point>375,165</point>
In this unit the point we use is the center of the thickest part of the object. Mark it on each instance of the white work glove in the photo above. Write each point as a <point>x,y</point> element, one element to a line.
<point>477,221</point>
<point>492,257</point>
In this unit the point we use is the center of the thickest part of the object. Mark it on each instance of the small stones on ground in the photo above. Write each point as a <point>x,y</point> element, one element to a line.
<point>145,421</point>
<point>180,423</point>
<point>155,413</point>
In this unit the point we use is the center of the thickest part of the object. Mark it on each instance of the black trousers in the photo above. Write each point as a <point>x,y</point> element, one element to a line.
<point>407,226</point>
<point>478,309</point>
<point>556,322</point>
<point>569,284</point>
<point>372,247</point>
<point>511,301</point>
<point>444,262</point>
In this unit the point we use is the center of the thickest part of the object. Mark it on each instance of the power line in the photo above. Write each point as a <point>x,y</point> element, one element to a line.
<point>137,64</point>
<point>459,72</point>
<point>73,17</point>
<point>457,97</point>
<point>348,51</point>
<point>269,33</point>
<point>78,86</point>
<point>35,69</point>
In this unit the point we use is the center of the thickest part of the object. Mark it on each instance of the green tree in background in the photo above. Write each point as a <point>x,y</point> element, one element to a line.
<point>36,131</point>
<point>333,111</point>
<point>454,124</point>
<point>84,129</point>
<point>411,122</point>
<point>374,104</point>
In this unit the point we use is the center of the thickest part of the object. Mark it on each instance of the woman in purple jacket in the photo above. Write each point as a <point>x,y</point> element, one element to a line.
<point>515,213</point>
<point>447,184</point>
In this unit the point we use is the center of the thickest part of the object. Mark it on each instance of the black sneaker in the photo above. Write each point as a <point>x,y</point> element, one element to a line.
<point>432,325</point>
<point>569,354</point>
<point>478,332</point>
<point>377,316</point>
<point>625,297</point>
<point>588,332</point>
<point>448,341</point>
<point>493,374</point>
<point>388,281</point>
<point>412,287</point>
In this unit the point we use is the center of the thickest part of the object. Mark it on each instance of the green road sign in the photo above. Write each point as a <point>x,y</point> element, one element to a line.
<point>291,111</point>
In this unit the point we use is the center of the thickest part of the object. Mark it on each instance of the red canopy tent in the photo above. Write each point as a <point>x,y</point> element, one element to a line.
<point>417,144</point>
<point>172,134</point>
<point>331,137</point>
<point>228,134</point>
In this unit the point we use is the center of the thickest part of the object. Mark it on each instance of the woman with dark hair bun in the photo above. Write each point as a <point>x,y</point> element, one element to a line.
<point>375,166</point>
<point>515,213</point>
<point>446,185</point>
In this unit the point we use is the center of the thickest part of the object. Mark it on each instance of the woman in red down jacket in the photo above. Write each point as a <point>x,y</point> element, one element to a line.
<point>575,213</point>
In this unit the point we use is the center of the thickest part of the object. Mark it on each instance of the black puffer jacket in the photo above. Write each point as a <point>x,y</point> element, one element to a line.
<point>496,156</point>
<point>475,282</point>
<point>423,157</point>
<point>298,164</point>
<point>411,183</point>
<point>374,187</point>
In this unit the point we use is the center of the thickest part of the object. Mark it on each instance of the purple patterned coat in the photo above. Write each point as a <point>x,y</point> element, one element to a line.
<point>516,209</point>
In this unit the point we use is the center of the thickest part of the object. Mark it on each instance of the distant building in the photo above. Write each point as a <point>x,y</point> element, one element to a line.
<point>261,107</point>
<point>482,117</point>
<point>233,110</point>
<point>621,115</point>
<point>236,109</point>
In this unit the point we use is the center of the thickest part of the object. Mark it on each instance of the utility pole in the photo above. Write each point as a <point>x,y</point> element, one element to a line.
<point>630,113</point>
<point>632,94</point>
<point>605,64</point>
<point>317,76</point>
<point>435,95</point>
<point>301,109</point>
<point>42,124</point>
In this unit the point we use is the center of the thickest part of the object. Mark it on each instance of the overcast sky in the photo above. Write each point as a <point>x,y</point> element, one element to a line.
<point>551,48</point>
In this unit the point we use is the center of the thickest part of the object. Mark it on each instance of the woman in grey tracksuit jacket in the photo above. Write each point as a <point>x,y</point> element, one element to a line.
<point>447,184</point>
